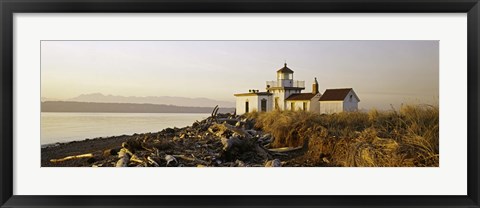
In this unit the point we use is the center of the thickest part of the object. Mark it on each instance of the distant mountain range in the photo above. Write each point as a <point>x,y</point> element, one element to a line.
<point>69,106</point>
<point>163,100</point>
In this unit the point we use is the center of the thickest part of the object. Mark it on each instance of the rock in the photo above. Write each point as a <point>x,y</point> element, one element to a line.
<point>170,159</point>
<point>110,152</point>
<point>240,163</point>
<point>122,162</point>
<point>132,145</point>
<point>91,160</point>
<point>169,131</point>
<point>273,163</point>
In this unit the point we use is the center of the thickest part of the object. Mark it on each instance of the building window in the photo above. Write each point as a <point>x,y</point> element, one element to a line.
<point>292,106</point>
<point>351,98</point>
<point>263,105</point>
<point>246,106</point>
<point>304,106</point>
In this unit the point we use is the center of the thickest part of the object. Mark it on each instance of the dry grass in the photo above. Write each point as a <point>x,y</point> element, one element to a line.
<point>395,138</point>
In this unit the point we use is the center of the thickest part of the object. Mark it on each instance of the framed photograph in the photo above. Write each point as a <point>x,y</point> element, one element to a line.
<point>243,104</point>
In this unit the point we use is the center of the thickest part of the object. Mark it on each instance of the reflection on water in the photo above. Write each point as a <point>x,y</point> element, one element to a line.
<point>65,127</point>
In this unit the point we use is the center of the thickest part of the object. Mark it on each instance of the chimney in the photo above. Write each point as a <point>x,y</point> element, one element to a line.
<point>315,87</point>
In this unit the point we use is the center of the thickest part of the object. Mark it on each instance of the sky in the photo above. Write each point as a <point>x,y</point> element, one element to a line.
<point>382,73</point>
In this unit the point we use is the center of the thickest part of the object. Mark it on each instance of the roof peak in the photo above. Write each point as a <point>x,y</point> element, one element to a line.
<point>285,69</point>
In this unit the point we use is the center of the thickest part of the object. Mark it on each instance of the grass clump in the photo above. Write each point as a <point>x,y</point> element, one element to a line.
<point>407,137</point>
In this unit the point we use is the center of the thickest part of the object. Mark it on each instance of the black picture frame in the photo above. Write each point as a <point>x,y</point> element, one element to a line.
<point>9,7</point>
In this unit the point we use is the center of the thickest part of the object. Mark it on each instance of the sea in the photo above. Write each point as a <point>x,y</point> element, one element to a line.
<point>67,127</point>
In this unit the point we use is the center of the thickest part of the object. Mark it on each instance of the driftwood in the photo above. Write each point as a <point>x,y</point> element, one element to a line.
<point>224,130</point>
<point>213,117</point>
<point>232,141</point>
<point>261,151</point>
<point>152,162</point>
<point>124,155</point>
<point>89,155</point>
<point>170,158</point>
<point>202,126</point>
<point>228,121</point>
<point>215,111</point>
<point>193,159</point>
<point>285,149</point>
<point>134,158</point>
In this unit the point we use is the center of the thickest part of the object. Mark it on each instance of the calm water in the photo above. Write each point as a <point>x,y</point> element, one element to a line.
<point>65,127</point>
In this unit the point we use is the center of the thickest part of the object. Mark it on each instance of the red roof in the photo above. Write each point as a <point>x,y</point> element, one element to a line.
<point>335,94</point>
<point>301,96</point>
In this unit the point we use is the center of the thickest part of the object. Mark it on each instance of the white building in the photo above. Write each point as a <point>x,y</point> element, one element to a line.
<point>338,100</point>
<point>305,101</point>
<point>253,101</point>
<point>282,94</point>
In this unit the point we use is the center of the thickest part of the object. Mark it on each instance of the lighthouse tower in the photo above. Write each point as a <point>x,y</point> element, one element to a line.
<point>283,87</point>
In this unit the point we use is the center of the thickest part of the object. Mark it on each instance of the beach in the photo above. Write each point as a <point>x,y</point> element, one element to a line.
<point>220,141</point>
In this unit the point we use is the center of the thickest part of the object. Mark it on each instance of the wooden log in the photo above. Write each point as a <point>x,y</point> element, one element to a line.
<point>134,158</point>
<point>152,162</point>
<point>262,152</point>
<point>193,159</point>
<point>220,129</point>
<point>89,155</point>
<point>285,149</point>
<point>228,121</point>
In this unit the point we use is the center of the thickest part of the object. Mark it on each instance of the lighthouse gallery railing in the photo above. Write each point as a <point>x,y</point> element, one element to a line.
<point>286,83</point>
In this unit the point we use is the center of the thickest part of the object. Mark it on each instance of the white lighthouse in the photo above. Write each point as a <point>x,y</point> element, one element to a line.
<point>283,87</point>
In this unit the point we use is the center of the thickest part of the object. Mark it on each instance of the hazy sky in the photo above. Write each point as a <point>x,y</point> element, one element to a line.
<point>381,72</point>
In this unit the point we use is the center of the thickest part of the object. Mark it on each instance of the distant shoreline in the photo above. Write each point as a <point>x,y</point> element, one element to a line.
<point>92,107</point>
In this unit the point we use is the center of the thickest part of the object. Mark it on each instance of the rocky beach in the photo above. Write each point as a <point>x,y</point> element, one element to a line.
<point>222,140</point>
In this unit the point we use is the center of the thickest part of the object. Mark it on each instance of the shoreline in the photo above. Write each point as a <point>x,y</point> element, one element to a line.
<point>210,142</point>
<point>95,145</point>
